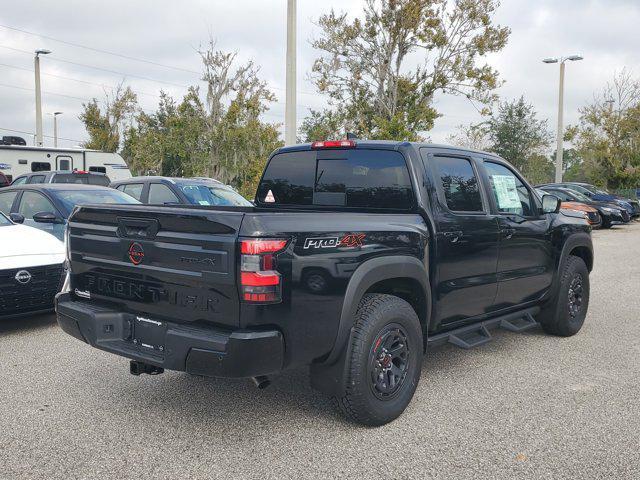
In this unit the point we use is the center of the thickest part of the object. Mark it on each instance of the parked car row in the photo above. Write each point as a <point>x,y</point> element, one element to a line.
<point>31,262</point>
<point>46,199</point>
<point>600,208</point>
<point>31,269</point>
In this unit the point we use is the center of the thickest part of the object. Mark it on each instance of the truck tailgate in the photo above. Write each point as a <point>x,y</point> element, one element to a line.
<point>167,262</point>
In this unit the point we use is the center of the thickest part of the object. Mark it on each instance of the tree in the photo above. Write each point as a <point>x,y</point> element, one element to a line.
<point>240,141</point>
<point>106,125</point>
<point>608,134</point>
<point>514,132</point>
<point>219,136</point>
<point>474,137</point>
<point>573,166</point>
<point>368,66</point>
<point>172,141</point>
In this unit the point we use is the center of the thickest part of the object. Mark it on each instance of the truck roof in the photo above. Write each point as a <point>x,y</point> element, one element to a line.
<point>169,179</point>
<point>57,186</point>
<point>390,144</point>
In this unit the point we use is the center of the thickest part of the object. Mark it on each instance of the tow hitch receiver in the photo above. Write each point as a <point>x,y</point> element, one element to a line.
<point>138,368</point>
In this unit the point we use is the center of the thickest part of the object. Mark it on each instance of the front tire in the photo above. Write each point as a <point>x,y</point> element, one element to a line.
<point>565,315</point>
<point>384,360</point>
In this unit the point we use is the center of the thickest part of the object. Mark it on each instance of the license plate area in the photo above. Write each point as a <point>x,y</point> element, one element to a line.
<point>149,334</point>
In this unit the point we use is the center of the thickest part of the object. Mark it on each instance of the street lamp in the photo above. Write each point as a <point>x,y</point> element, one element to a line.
<point>38,52</point>
<point>559,147</point>
<point>290,122</point>
<point>55,128</point>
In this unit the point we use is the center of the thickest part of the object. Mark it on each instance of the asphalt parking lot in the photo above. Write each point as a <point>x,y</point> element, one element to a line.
<point>523,406</point>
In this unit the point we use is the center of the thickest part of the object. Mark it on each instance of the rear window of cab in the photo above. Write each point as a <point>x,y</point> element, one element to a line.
<point>82,178</point>
<point>356,178</point>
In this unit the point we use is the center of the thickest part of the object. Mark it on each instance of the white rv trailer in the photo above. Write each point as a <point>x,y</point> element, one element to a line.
<point>17,160</point>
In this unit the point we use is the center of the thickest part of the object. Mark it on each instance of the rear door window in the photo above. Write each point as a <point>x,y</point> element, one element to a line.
<point>341,178</point>
<point>36,179</point>
<point>459,184</point>
<point>132,189</point>
<point>19,181</point>
<point>6,201</point>
<point>160,194</point>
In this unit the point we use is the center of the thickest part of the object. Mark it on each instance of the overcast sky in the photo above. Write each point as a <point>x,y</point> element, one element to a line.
<point>606,32</point>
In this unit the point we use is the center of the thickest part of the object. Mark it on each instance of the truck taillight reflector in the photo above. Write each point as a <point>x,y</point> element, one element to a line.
<point>259,281</point>
<point>333,144</point>
<point>260,246</point>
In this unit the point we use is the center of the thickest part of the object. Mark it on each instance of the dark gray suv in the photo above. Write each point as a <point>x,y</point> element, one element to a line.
<point>64,176</point>
<point>181,191</point>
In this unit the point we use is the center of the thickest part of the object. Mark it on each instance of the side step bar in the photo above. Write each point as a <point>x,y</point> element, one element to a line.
<point>478,334</point>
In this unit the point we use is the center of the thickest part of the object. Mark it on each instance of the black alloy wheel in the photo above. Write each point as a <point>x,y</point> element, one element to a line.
<point>575,295</point>
<point>388,361</point>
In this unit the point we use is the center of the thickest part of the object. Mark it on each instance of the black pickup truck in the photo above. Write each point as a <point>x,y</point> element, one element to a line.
<point>355,257</point>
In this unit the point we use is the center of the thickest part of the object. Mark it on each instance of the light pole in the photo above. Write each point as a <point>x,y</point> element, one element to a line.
<point>290,126</point>
<point>40,51</point>
<point>55,128</point>
<point>559,146</point>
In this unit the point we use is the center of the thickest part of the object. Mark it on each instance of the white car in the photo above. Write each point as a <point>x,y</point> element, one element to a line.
<point>31,269</point>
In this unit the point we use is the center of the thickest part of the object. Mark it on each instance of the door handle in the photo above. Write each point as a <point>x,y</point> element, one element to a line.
<point>453,236</point>
<point>507,232</point>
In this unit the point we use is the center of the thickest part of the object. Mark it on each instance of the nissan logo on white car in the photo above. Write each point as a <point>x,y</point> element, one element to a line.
<point>23,277</point>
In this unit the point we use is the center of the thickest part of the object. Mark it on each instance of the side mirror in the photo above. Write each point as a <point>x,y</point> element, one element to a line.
<point>550,204</point>
<point>47,217</point>
<point>16,218</point>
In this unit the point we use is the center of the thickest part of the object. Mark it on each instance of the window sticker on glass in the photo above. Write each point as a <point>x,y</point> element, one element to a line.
<point>506,192</point>
<point>269,198</point>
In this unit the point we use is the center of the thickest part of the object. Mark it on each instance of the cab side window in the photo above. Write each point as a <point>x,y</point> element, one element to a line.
<point>510,194</point>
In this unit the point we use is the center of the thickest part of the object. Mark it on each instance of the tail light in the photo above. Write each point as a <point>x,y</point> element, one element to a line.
<point>259,280</point>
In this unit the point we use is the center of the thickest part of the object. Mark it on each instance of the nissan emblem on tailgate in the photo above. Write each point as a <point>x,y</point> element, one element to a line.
<point>136,253</point>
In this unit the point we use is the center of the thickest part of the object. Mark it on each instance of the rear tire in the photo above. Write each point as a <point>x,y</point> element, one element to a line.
<point>384,360</point>
<point>565,315</point>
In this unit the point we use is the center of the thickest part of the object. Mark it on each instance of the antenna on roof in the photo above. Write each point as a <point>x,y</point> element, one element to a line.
<point>351,136</point>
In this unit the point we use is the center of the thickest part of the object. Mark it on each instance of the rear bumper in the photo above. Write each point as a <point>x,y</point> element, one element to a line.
<point>198,349</point>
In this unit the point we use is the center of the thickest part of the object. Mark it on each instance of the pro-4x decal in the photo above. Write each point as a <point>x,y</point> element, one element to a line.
<point>321,242</point>
<point>350,240</point>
